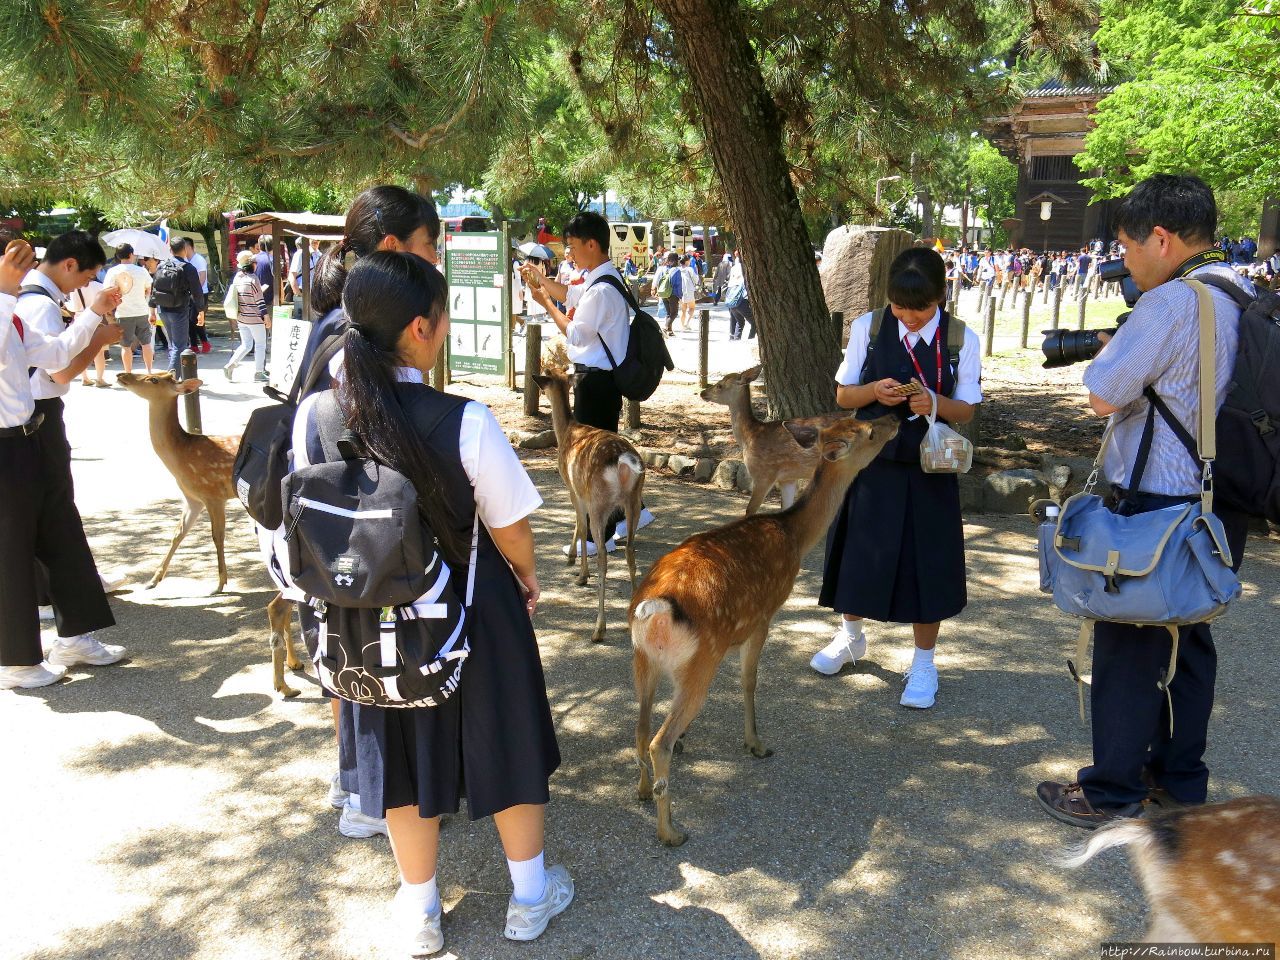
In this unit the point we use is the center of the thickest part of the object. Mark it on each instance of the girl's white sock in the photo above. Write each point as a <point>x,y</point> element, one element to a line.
<point>425,897</point>
<point>853,629</point>
<point>922,657</point>
<point>529,878</point>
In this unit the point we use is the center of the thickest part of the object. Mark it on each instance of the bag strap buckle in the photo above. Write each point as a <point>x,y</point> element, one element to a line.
<point>1262,423</point>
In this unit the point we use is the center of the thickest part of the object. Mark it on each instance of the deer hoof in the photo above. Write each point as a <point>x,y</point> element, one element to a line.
<point>581,581</point>
<point>293,663</point>
<point>152,582</point>
<point>644,793</point>
<point>287,692</point>
<point>672,837</point>
<point>758,749</point>
<point>598,635</point>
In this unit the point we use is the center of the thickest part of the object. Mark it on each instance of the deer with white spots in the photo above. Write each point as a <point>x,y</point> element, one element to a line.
<point>771,449</point>
<point>720,589</point>
<point>202,468</point>
<point>1211,873</point>
<point>603,473</point>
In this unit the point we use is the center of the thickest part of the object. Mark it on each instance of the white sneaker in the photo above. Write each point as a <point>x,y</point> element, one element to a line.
<point>337,796</point>
<point>110,583</point>
<point>610,545</point>
<point>357,826</point>
<point>419,932</point>
<point>922,686</point>
<point>646,518</point>
<point>28,678</point>
<point>47,615</point>
<point>841,650</point>
<point>526,921</point>
<point>70,651</point>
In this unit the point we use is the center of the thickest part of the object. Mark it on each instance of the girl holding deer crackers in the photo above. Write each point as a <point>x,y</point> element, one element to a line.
<point>895,551</point>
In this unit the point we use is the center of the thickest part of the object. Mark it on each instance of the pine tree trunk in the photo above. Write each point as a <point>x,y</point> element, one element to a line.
<point>798,344</point>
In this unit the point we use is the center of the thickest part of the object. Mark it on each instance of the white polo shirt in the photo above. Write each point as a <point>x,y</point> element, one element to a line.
<point>43,315</point>
<point>968,372</point>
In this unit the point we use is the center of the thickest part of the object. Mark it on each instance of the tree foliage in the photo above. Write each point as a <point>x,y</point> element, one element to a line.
<point>1201,95</point>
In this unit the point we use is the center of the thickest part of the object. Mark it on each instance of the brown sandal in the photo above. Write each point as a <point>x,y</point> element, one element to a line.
<point>1066,802</point>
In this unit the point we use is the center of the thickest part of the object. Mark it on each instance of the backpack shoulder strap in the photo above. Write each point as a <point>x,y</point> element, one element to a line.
<point>610,280</point>
<point>956,331</point>
<point>33,289</point>
<point>430,407</point>
<point>1243,299</point>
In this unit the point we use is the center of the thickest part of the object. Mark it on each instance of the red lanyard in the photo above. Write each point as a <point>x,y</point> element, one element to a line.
<point>937,339</point>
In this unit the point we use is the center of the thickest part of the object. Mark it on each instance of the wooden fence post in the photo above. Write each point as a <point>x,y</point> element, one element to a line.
<point>532,366</point>
<point>1084,305</point>
<point>1026,319</point>
<point>991,326</point>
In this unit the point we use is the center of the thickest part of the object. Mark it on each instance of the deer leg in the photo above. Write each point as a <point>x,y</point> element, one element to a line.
<point>759,490</point>
<point>691,693</point>
<point>279,615</point>
<point>750,662</point>
<point>578,533</point>
<point>598,523</point>
<point>633,518</point>
<point>190,514</point>
<point>645,674</point>
<point>580,538</point>
<point>218,521</point>
<point>788,493</point>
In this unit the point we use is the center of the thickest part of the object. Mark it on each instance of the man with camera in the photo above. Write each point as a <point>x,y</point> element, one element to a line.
<point>1167,224</point>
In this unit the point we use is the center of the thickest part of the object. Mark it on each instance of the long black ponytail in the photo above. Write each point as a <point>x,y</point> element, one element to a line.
<point>383,294</point>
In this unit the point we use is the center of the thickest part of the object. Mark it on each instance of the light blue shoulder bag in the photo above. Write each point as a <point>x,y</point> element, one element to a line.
<point>1165,568</point>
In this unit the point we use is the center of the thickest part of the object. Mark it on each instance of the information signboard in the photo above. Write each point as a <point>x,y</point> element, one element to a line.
<point>478,269</point>
<point>288,343</point>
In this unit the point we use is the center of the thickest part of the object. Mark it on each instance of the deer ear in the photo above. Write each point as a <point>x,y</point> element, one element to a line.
<point>747,376</point>
<point>804,434</point>
<point>542,380</point>
<point>189,386</point>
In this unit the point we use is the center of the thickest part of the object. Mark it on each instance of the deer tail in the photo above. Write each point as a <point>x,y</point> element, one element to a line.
<point>651,624</point>
<point>1119,834</point>
<point>630,468</point>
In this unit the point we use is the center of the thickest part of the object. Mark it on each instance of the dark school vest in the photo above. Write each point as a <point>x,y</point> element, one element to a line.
<point>890,359</point>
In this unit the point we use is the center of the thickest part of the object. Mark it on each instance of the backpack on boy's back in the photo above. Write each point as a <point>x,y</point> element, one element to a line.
<point>662,290</point>
<point>170,287</point>
<point>392,630</point>
<point>639,372</point>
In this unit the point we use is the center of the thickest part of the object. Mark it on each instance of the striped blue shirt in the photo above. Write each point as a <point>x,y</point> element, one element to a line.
<point>1159,347</point>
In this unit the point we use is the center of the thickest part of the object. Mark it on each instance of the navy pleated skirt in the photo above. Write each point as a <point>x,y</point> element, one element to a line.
<point>492,742</point>
<point>895,551</point>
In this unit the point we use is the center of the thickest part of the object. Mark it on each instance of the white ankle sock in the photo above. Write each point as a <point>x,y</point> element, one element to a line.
<point>353,799</point>
<point>529,878</point>
<point>424,895</point>
<point>852,629</point>
<point>922,657</point>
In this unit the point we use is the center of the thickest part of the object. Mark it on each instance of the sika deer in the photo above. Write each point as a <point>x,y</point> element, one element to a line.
<point>721,589</point>
<point>1211,874</point>
<point>603,472</point>
<point>202,468</point>
<point>772,450</point>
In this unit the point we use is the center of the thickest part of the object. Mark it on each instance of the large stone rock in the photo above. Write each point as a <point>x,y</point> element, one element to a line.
<point>1011,491</point>
<point>680,465</point>
<point>704,469</point>
<point>972,489</point>
<point>726,475</point>
<point>744,479</point>
<point>541,440</point>
<point>855,269</point>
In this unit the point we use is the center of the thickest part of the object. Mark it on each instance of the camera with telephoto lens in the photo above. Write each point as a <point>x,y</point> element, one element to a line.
<point>1064,347</point>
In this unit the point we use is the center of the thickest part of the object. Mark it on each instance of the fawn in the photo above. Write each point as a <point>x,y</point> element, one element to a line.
<point>777,453</point>
<point>1211,873</point>
<point>202,468</point>
<point>603,472</point>
<point>721,589</point>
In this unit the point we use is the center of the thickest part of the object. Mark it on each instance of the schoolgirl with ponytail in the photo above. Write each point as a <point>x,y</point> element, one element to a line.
<point>494,742</point>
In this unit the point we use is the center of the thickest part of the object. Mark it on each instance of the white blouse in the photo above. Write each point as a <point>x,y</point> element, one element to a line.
<point>968,373</point>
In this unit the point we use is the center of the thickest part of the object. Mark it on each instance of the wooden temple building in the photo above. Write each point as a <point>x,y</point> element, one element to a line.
<point>1042,136</point>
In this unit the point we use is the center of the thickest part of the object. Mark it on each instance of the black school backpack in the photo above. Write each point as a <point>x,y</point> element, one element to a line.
<point>170,288</point>
<point>1246,474</point>
<point>262,461</point>
<point>640,371</point>
<point>392,631</point>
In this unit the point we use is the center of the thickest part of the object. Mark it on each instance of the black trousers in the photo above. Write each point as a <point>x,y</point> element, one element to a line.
<point>1130,713</point>
<point>598,403</point>
<point>198,334</point>
<point>39,523</point>
<point>739,317</point>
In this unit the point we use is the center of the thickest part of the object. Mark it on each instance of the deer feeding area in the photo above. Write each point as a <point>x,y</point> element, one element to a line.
<point>871,831</point>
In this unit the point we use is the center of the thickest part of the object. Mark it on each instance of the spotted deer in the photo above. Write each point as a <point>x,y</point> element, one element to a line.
<point>202,468</point>
<point>603,473</point>
<point>1211,874</point>
<point>720,589</point>
<point>772,449</point>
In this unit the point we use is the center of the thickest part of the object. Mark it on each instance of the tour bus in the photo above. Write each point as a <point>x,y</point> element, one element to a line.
<point>683,237</point>
<point>631,238</point>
